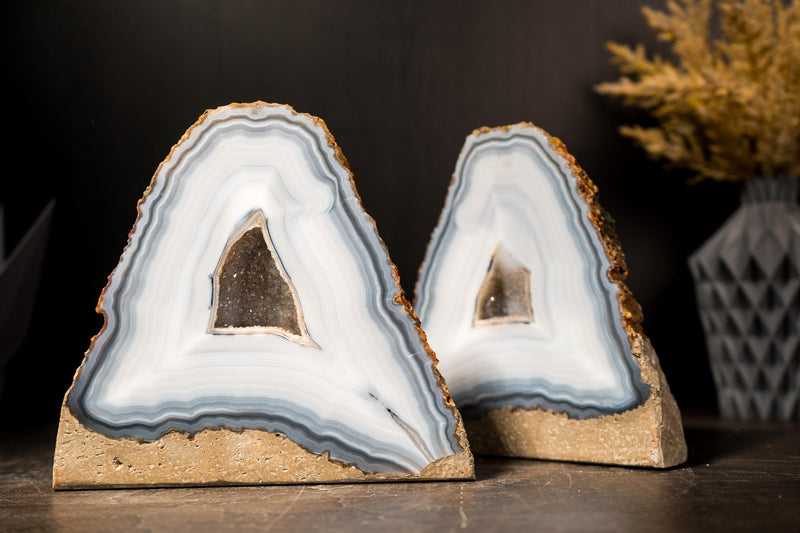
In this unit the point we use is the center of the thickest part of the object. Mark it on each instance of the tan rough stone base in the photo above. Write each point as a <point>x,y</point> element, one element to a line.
<point>85,459</point>
<point>650,435</point>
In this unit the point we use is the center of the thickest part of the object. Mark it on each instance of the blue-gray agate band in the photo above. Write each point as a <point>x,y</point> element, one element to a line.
<point>363,388</point>
<point>514,194</point>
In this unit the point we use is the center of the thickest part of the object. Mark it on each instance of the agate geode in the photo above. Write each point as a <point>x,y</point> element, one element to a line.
<point>522,299</point>
<point>255,331</point>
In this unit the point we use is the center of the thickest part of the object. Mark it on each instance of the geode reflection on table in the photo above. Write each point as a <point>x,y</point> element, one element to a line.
<point>255,331</point>
<point>521,295</point>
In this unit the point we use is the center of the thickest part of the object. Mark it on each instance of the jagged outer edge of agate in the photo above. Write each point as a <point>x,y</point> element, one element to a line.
<point>368,229</point>
<point>603,223</point>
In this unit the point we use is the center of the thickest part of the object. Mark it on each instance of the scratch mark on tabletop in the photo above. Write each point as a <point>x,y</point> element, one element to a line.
<point>288,508</point>
<point>461,512</point>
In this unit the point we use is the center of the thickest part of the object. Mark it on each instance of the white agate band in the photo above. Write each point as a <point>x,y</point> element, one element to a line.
<point>515,196</point>
<point>363,389</point>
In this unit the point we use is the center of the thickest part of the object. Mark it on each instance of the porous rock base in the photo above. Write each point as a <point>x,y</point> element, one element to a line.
<point>85,459</point>
<point>650,435</point>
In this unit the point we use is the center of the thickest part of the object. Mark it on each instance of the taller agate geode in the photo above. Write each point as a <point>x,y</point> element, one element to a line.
<point>521,295</point>
<point>255,330</point>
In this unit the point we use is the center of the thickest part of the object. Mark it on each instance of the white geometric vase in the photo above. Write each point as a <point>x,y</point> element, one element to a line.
<point>747,282</point>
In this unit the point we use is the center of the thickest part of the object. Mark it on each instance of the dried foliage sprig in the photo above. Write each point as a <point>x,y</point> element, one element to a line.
<point>728,108</point>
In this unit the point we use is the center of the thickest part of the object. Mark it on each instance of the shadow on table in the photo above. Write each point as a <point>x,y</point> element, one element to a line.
<point>730,440</point>
<point>489,467</point>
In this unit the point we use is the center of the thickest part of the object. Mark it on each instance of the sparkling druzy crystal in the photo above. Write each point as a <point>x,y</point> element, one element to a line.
<point>521,295</point>
<point>252,292</point>
<point>255,330</point>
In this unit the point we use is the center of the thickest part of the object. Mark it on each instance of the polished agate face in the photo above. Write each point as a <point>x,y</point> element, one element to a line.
<point>256,293</point>
<point>514,292</point>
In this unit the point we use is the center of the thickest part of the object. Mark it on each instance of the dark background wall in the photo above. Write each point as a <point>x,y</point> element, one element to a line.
<point>97,92</point>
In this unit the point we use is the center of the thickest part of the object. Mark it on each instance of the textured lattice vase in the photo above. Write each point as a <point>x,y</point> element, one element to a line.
<point>747,280</point>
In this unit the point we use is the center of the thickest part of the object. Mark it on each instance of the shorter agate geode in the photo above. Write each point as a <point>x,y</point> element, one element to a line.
<point>521,295</point>
<point>255,330</point>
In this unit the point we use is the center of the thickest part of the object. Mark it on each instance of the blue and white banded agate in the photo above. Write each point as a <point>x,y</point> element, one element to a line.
<point>363,388</point>
<point>514,197</point>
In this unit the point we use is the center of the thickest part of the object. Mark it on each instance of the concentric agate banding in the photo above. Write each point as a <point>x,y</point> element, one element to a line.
<point>517,188</point>
<point>368,393</point>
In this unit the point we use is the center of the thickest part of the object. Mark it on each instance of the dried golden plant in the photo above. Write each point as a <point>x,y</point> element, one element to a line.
<point>728,108</point>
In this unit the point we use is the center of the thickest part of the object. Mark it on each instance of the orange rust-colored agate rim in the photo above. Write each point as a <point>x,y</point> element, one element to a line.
<point>399,297</point>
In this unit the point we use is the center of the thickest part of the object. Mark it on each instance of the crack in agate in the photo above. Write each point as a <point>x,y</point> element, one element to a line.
<point>505,294</point>
<point>129,385</point>
<point>509,184</point>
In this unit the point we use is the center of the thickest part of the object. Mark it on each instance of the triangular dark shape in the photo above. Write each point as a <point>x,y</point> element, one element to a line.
<point>252,292</point>
<point>752,409</point>
<point>248,274</point>
<point>730,327</point>
<point>761,382</point>
<point>773,357</point>
<point>724,273</point>
<point>726,355</point>
<point>716,301</point>
<point>740,301</point>
<point>738,382</point>
<point>757,327</point>
<point>771,300</point>
<point>774,410</point>
<point>784,328</point>
<point>721,375</point>
<point>789,349</point>
<point>765,400</point>
<point>792,406</point>
<point>747,354</point>
<point>785,385</point>
<point>786,271</point>
<point>753,271</point>
<point>709,324</point>
<point>732,402</point>
<point>700,273</point>
<point>505,295</point>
